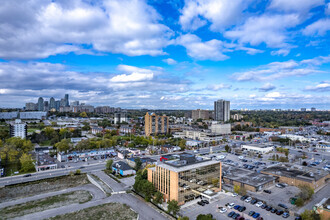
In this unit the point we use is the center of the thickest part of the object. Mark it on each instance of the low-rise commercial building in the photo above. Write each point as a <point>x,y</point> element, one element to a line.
<point>45,162</point>
<point>295,176</point>
<point>248,179</point>
<point>186,178</point>
<point>257,148</point>
<point>83,155</point>
<point>122,168</point>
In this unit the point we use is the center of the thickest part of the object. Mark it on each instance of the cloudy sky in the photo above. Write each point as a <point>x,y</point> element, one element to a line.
<point>166,54</point>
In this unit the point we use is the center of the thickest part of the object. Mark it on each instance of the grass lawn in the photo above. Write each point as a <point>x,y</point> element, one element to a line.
<point>46,203</point>
<point>102,212</point>
<point>37,187</point>
<point>45,143</point>
<point>32,129</point>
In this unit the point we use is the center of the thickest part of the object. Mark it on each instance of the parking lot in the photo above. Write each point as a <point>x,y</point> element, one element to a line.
<point>192,210</point>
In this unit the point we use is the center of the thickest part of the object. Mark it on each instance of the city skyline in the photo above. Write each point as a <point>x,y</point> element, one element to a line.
<point>167,54</point>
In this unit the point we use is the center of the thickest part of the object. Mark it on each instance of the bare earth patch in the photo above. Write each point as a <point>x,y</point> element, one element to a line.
<point>65,199</point>
<point>41,186</point>
<point>107,211</point>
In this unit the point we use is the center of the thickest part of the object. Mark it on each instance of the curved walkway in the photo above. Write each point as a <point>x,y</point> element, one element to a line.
<point>96,193</point>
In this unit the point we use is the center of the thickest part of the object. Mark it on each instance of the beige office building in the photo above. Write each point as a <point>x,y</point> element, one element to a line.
<point>202,114</point>
<point>156,124</point>
<point>187,178</point>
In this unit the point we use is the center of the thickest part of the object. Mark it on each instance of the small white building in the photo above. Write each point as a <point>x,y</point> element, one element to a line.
<point>18,129</point>
<point>257,148</point>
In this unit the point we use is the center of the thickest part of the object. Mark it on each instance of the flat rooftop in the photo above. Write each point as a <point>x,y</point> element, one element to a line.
<point>303,173</point>
<point>177,169</point>
<point>246,176</point>
<point>258,145</point>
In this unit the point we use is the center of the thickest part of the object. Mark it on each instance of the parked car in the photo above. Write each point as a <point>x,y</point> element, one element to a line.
<point>205,201</point>
<point>222,210</point>
<point>273,210</point>
<point>240,218</point>
<point>279,212</point>
<point>259,204</point>
<point>248,199</point>
<point>285,215</point>
<point>251,213</point>
<point>279,185</point>
<point>230,214</point>
<point>241,209</point>
<point>201,203</point>
<point>255,215</point>
<point>236,207</point>
<point>236,215</point>
<point>234,194</point>
<point>267,191</point>
<point>282,206</point>
<point>263,206</point>
<point>231,205</point>
<point>268,208</point>
<point>254,201</point>
<point>27,175</point>
<point>243,198</point>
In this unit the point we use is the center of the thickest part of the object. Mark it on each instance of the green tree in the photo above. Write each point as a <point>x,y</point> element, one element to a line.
<point>86,126</point>
<point>306,192</point>
<point>310,215</point>
<point>227,148</point>
<point>62,146</point>
<point>83,115</point>
<point>26,163</point>
<point>138,163</point>
<point>49,132</point>
<point>237,189</point>
<point>108,165</point>
<point>78,172</point>
<point>173,207</point>
<point>242,191</point>
<point>205,217</point>
<point>183,218</point>
<point>182,144</point>
<point>299,202</point>
<point>215,181</point>
<point>158,198</point>
<point>148,189</point>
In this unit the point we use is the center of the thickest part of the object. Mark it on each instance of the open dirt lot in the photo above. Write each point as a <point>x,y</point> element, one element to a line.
<point>102,212</point>
<point>41,186</point>
<point>44,204</point>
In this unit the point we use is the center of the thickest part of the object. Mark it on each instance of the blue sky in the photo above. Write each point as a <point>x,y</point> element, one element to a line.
<point>166,54</point>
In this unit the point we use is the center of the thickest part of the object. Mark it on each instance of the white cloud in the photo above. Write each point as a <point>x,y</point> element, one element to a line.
<point>221,14</point>
<point>268,29</point>
<point>302,6</point>
<point>170,61</point>
<point>208,50</point>
<point>38,29</point>
<point>267,87</point>
<point>220,86</point>
<point>134,77</point>
<point>278,70</point>
<point>327,9</point>
<point>273,95</point>
<point>283,52</point>
<point>321,87</point>
<point>318,28</point>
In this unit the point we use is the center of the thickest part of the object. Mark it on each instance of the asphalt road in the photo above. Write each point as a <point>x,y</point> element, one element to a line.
<point>317,197</point>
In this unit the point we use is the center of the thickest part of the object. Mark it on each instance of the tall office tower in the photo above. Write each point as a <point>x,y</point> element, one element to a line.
<point>51,103</point>
<point>62,103</point>
<point>46,106</point>
<point>155,124</point>
<point>31,106</point>
<point>313,109</point>
<point>75,103</point>
<point>66,98</point>
<point>57,105</point>
<point>40,104</point>
<point>222,110</point>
